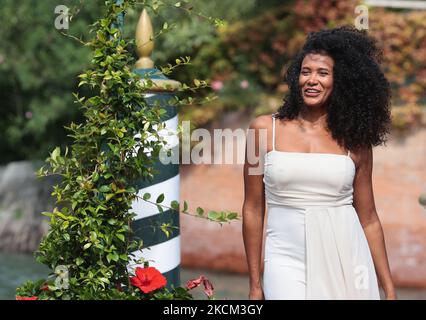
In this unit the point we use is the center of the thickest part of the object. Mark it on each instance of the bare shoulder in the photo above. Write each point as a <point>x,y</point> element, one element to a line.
<point>259,134</point>
<point>261,122</point>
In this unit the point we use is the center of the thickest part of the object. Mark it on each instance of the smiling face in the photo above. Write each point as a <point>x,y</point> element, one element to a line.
<point>316,79</point>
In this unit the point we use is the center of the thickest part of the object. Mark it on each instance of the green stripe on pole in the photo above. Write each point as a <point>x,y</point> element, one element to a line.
<point>173,277</point>
<point>164,172</point>
<point>148,229</point>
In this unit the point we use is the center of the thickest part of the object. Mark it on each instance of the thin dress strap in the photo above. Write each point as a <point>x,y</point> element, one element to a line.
<point>273,132</point>
<point>349,152</point>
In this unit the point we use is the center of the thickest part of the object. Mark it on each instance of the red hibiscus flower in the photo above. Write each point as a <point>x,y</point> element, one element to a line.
<point>26,298</point>
<point>148,279</point>
<point>208,286</point>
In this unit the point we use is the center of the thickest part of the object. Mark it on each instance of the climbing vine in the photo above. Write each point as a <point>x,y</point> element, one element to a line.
<point>90,237</point>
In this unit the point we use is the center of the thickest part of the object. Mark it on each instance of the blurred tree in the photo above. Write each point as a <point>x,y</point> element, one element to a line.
<point>39,65</point>
<point>192,34</point>
<point>38,69</point>
<point>212,54</point>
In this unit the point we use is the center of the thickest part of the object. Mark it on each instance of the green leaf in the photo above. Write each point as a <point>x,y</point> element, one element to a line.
<point>121,237</point>
<point>112,221</point>
<point>175,205</point>
<point>98,53</point>
<point>146,196</point>
<point>104,189</point>
<point>61,215</point>
<point>160,208</point>
<point>47,214</point>
<point>87,246</point>
<point>200,211</point>
<point>65,225</point>
<point>232,216</point>
<point>112,256</point>
<point>93,236</point>
<point>79,261</point>
<point>165,228</point>
<point>146,125</point>
<point>131,190</point>
<point>55,154</point>
<point>160,198</point>
<point>185,206</point>
<point>213,215</point>
<point>109,196</point>
<point>95,177</point>
<point>107,175</point>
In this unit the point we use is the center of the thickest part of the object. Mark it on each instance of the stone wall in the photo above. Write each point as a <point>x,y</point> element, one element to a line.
<point>22,199</point>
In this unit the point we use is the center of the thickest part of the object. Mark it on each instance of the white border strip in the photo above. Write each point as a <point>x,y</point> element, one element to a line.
<point>397,4</point>
<point>165,255</point>
<point>170,188</point>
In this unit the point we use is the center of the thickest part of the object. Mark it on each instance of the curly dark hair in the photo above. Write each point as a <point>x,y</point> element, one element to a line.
<point>358,111</point>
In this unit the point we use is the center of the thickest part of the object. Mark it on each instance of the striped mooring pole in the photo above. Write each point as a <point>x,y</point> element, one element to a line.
<point>161,251</point>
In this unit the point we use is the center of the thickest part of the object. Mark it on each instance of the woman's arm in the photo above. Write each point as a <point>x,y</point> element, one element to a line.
<point>254,207</point>
<point>366,209</point>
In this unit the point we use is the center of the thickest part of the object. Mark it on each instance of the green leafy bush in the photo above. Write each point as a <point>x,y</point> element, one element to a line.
<point>90,238</point>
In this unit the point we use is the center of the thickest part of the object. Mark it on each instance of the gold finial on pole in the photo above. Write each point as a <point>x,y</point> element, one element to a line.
<point>144,43</point>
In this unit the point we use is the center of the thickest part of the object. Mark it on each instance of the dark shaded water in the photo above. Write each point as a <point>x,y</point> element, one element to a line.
<point>17,268</point>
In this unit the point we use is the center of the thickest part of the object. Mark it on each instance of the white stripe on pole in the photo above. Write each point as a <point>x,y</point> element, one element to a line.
<point>397,4</point>
<point>170,188</point>
<point>165,255</point>
<point>168,133</point>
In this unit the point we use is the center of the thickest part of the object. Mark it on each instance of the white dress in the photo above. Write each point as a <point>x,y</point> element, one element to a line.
<point>315,247</point>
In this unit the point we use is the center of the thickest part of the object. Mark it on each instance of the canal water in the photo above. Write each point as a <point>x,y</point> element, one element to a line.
<point>17,268</point>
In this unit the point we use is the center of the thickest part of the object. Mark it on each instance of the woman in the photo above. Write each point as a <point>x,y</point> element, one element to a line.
<point>324,239</point>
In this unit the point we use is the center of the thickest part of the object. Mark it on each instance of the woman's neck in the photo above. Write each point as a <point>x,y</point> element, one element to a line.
<point>313,117</point>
